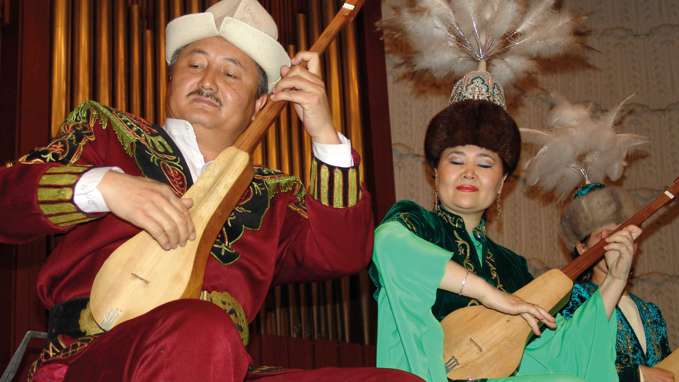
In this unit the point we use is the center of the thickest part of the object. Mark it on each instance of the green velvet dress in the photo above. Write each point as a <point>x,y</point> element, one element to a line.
<point>412,247</point>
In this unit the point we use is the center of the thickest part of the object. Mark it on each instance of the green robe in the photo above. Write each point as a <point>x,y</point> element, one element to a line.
<point>412,247</point>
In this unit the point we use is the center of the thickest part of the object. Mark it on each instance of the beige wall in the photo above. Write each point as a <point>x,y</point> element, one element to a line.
<point>638,44</point>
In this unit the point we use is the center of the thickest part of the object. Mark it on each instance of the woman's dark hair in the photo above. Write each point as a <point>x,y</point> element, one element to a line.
<point>474,122</point>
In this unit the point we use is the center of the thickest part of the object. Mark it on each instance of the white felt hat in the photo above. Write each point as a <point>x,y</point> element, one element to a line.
<point>243,23</point>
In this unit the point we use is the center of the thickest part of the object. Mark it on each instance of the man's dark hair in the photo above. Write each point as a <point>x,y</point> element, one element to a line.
<point>262,85</point>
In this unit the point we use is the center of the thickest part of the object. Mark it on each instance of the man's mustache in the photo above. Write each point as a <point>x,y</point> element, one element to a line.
<point>206,93</point>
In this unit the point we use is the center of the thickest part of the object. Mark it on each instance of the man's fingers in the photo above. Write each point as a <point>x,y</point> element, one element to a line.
<point>188,203</point>
<point>298,83</point>
<point>164,216</point>
<point>295,96</point>
<point>155,229</point>
<point>182,217</point>
<point>300,72</point>
<point>313,61</point>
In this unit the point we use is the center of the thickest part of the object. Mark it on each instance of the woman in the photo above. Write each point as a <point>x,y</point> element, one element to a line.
<point>427,264</point>
<point>641,330</point>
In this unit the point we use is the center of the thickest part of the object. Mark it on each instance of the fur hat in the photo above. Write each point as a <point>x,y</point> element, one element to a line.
<point>474,122</point>
<point>595,209</point>
<point>243,23</point>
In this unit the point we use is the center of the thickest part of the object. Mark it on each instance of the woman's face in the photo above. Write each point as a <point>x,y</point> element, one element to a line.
<point>468,179</point>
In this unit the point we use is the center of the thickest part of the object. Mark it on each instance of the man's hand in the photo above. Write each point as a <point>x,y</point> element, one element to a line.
<point>149,205</point>
<point>304,87</point>
<point>655,374</point>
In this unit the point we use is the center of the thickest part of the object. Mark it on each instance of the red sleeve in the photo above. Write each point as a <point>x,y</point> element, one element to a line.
<point>37,191</point>
<point>333,235</point>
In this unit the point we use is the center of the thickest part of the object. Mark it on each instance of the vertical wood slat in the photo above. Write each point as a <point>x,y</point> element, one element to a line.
<point>354,130</point>
<point>352,88</point>
<point>272,145</point>
<point>60,65</point>
<point>284,139</point>
<point>120,47</point>
<point>82,52</point>
<point>333,74</point>
<point>335,309</point>
<point>193,6</point>
<point>161,66</point>
<point>294,129</point>
<point>103,54</point>
<point>135,60</point>
<point>176,8</point>
<point>149,102</point>
<point>303,44</point>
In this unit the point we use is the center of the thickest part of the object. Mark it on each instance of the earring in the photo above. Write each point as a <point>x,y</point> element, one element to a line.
<point>436,200</point>
<point>498,205</point>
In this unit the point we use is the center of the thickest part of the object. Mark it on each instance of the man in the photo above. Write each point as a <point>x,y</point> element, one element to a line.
<point>110,174</point>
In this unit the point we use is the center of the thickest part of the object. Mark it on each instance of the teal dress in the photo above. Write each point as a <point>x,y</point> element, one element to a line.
<point>630,354</point>
<point>412,247</point>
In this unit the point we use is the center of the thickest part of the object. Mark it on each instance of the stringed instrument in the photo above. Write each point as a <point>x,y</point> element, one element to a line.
<point>483,343</point>
<point>670,363</point>
<point>140,275</point>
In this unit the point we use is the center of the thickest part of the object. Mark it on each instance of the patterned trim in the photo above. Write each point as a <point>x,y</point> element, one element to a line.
<point>336,187</point>
<point>55,195</point>
<point>61,348</point>
<point>490,260</point>
<point>155,153</point>
<point>252,208</point>
<point>233,308</point>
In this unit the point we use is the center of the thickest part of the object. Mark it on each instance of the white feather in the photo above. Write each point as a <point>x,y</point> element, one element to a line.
<point>444,37</point>
<point>577,140</point>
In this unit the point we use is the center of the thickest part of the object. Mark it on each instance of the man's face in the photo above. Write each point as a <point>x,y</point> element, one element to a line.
<point>213,86</point>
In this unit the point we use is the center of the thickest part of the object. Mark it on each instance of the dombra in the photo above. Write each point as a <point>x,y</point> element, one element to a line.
<point>483,343</point>
<point>140,275</point>
<point>670,363</point>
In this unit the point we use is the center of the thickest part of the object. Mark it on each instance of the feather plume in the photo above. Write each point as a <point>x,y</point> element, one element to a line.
<point>576,145</point>
<point>441,40</point>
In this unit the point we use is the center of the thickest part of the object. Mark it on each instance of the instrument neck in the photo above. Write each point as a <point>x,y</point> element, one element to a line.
<point>249,139</point>
<point>592,256</point>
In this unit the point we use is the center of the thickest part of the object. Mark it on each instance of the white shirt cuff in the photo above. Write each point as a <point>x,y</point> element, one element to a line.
<point>86,194</point>
<point>338,155</point>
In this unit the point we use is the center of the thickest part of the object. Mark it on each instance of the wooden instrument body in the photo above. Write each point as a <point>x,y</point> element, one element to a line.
<point>476,344</point>
<point>140,274</point>
<point>670,363</point>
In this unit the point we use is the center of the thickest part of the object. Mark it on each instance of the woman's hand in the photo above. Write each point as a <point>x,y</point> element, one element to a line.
<point>510,304</point>
<point>655,374</point>
<point>458,280</point>
<point>620,250</point>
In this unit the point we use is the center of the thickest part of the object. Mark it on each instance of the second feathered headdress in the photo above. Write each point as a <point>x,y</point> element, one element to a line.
<point>577,147</point>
